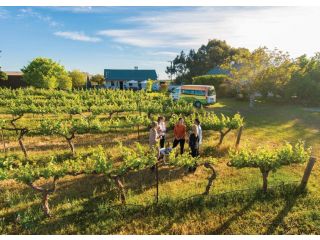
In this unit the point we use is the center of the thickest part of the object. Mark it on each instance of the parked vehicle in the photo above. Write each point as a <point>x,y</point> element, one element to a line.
<point>198,94</point>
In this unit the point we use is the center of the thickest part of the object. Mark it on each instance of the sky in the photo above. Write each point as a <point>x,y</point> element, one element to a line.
<point>94,38</point>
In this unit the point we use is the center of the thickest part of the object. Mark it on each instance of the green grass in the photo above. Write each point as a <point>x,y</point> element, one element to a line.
<point>89,204</point>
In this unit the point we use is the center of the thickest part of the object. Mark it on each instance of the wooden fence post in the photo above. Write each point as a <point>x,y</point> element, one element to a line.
<point>307,173</point>
<point>239,136</point>
<point>157,182</point>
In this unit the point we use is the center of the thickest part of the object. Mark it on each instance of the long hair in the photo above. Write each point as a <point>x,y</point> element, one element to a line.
<point>160,118</point>
<point>153,124</point>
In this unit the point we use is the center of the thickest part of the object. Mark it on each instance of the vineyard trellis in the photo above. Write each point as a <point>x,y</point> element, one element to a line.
<point>67,114</point>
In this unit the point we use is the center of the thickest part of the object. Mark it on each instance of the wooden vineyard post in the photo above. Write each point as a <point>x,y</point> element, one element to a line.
<point>239,137</point>
<point>307,173</point>
<point>138,103</point>
<point>157,183</point>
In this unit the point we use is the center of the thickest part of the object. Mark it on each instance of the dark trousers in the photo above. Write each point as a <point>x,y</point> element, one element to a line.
<point>194,152</point>
<point>181,142</point>
<point>162,140</point>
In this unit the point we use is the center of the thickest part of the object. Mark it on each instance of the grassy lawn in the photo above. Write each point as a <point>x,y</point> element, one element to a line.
<point>89,204</point>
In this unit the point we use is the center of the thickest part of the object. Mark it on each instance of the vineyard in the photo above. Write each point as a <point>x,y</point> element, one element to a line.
<point>79,162</point>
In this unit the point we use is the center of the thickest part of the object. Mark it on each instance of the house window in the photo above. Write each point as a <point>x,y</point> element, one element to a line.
<point>112,83</point>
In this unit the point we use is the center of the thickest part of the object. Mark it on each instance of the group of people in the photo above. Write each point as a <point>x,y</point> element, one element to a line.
<point>157,135</point>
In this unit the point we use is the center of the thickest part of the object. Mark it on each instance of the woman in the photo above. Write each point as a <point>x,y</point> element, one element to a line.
<point>179,135</point>
<point>194,141</point>
<point>153,140</point>
<point>162,130</point>
<point>197,123</point>
<point>153,135</point>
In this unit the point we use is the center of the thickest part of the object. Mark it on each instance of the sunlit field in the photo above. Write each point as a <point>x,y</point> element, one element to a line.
<point>89,204</point>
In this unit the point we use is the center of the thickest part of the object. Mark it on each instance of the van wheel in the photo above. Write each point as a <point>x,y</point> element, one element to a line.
<point>197,104</point>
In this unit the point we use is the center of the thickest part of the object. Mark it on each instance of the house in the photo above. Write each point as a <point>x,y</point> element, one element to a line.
<point>128,78</point>
<point>15,80</point>
<point>218,71</point>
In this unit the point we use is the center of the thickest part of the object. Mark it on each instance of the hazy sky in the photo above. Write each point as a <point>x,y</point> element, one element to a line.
<point>94,38</point>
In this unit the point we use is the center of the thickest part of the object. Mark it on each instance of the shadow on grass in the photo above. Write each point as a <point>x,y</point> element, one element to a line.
<point>224,226</point>
<point>95,213</point>
<point>278,220</point>
<point>72,189</point>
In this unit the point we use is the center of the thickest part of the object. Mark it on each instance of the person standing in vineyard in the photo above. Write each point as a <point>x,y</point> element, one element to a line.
<point>153,135</point>
<point>197,122</point>
<point>194,141</point>
<point>179,135</point>
<point>162,130</point>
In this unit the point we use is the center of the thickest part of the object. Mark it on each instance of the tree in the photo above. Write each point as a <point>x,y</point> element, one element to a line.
<point>44,73</point>
<point>261,71</point>
<point>98,78</point>
<point>149,85</point>
<point>64,82</point>
<point>305,83</point>
<point>199,62</point>
<point>78,78</point>
<point>247,69</point>
<point>3,76</point>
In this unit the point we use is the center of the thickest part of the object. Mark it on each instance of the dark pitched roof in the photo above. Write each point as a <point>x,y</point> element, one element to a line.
<point>217,71</point>
<point>130,74</point>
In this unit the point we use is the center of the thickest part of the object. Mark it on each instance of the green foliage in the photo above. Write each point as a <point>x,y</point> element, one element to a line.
<point>199,62</point>
<point>98,78</point>
<point>94,160</point>
<point>305,84</point>
<point>3,76</point>
<point>182,160</point>
<point>211,121</point>
<point>270,160</point>
<point>64,82</point>
<point>214,80</point>
<point>136,158</point>
<point>44,73</point>
<point>78,78</point>
<point>149,85</point>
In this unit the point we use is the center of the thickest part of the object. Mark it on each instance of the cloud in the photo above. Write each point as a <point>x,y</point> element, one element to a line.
<point>29,12</point>
<point>164,53</point>
<point>4,13</point>
<point>77,36</point>
<point>83,9</point>
<point>291,29</point>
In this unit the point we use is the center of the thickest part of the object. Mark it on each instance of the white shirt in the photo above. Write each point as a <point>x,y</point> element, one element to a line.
<point>200,134</point>
<point>162,129</point>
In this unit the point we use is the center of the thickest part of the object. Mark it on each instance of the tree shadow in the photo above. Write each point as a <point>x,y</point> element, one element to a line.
<point>278,220</point>
<point>224,226</point>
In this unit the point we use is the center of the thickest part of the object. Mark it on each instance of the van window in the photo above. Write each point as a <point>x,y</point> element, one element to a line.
<point>211,91</point>
<point>194,92</point>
